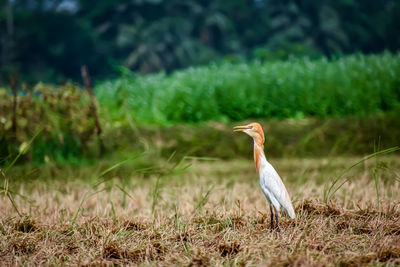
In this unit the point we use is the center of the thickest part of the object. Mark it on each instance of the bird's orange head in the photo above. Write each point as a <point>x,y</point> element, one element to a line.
<point>254,130</point>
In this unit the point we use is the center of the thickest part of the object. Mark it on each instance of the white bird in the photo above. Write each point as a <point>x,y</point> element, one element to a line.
<point>270,182</point>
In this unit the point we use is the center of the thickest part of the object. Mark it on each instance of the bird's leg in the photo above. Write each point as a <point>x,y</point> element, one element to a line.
<point>276,220</point>
<point>272,217</point>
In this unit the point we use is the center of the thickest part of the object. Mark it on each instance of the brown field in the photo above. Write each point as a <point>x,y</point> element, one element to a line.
<point>210,214</point>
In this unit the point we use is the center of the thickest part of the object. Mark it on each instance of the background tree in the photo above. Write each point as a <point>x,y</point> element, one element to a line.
<point>49,40</point>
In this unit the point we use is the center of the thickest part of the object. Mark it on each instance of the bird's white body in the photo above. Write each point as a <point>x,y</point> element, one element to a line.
<point>272,185</point>
<point>270,182</point>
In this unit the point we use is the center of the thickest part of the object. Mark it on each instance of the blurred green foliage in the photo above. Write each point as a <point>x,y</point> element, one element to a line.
<point>352,85</point>
<point>49,40</point>
<point>307,137</point>
<point>349,105</point>
<point>62,115</point>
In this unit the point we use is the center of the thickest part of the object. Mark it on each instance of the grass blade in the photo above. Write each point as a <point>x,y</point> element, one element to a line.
<point>23,151</point>
<point>331,190</point>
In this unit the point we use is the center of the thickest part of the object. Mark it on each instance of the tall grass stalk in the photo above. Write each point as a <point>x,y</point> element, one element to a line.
<point>340,180</point>
<point>203,199</point>
<point>178,168</point>
<point>375,174</point>
<point>90,192</point>
<point>24,147</point>
<point>155,195</point>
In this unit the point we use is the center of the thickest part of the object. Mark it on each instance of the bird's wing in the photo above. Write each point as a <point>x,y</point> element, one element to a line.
<point>271,182</point>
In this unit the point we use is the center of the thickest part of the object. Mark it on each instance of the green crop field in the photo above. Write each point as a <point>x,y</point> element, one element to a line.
<point>309,107</point>
<point>353,85</point>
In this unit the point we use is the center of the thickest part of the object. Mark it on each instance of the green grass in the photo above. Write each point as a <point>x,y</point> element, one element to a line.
<point>353,85</point>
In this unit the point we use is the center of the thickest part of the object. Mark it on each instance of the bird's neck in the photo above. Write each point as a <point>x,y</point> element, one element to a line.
<point>259,155</point>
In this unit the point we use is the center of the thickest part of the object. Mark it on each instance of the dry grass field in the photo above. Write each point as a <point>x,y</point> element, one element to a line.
<point>209,214</point>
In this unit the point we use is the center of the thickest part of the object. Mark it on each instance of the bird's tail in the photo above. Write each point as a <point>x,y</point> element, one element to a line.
<point>290,211</point>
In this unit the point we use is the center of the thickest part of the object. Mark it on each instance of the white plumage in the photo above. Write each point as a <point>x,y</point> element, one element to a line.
<point>270,182</point>
<point>274,189</point>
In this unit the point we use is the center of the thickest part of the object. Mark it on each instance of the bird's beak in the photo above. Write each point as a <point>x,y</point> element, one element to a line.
<point>240,128</point>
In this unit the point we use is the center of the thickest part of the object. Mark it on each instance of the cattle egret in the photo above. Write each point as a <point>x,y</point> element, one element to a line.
<point>270,182</point>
